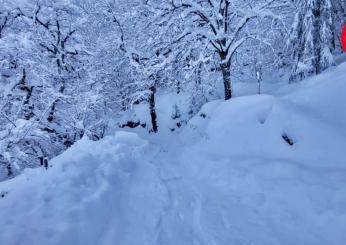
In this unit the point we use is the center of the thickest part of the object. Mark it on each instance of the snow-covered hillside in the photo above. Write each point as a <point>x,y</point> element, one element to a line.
<point>260,170</point>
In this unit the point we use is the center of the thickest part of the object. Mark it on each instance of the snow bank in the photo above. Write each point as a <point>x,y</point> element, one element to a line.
<point>311,114</point>
<point>86,197</point>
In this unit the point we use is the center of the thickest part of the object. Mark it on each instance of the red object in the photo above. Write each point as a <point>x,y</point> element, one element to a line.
<point>343,38</point>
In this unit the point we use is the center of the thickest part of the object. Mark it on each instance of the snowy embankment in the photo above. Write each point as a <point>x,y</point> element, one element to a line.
<point>259,170</point>
<point>94,188</point>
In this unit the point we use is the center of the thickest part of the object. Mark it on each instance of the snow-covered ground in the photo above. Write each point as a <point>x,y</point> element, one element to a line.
<point>259,170</point>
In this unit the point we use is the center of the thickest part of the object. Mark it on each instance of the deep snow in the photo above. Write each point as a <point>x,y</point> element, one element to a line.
<point>228,177</point>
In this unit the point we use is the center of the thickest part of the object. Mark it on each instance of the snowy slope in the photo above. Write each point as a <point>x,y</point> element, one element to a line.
<point>228,178</point>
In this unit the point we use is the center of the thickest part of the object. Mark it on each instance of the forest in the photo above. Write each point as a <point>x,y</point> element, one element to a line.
<point>172,122</point>
<point>72,68</point>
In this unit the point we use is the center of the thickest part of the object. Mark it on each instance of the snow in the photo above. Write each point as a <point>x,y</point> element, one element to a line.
<point>228,177</point>
<point>91,193</point>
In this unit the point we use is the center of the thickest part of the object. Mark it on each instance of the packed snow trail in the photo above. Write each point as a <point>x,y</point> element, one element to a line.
<point>230,177</point>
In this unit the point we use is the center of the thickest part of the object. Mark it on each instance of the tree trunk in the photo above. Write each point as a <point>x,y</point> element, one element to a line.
<point>9,170</point>
<point>153,114</point>
<point>226,74</point>
<point>259,79</point>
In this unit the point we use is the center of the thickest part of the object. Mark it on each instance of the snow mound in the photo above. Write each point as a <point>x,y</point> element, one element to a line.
<point>305,124</point>
<point>87,197</point>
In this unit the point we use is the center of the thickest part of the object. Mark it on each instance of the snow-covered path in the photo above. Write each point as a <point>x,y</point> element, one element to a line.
<point>251,201</point>
<point>228,178</point>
